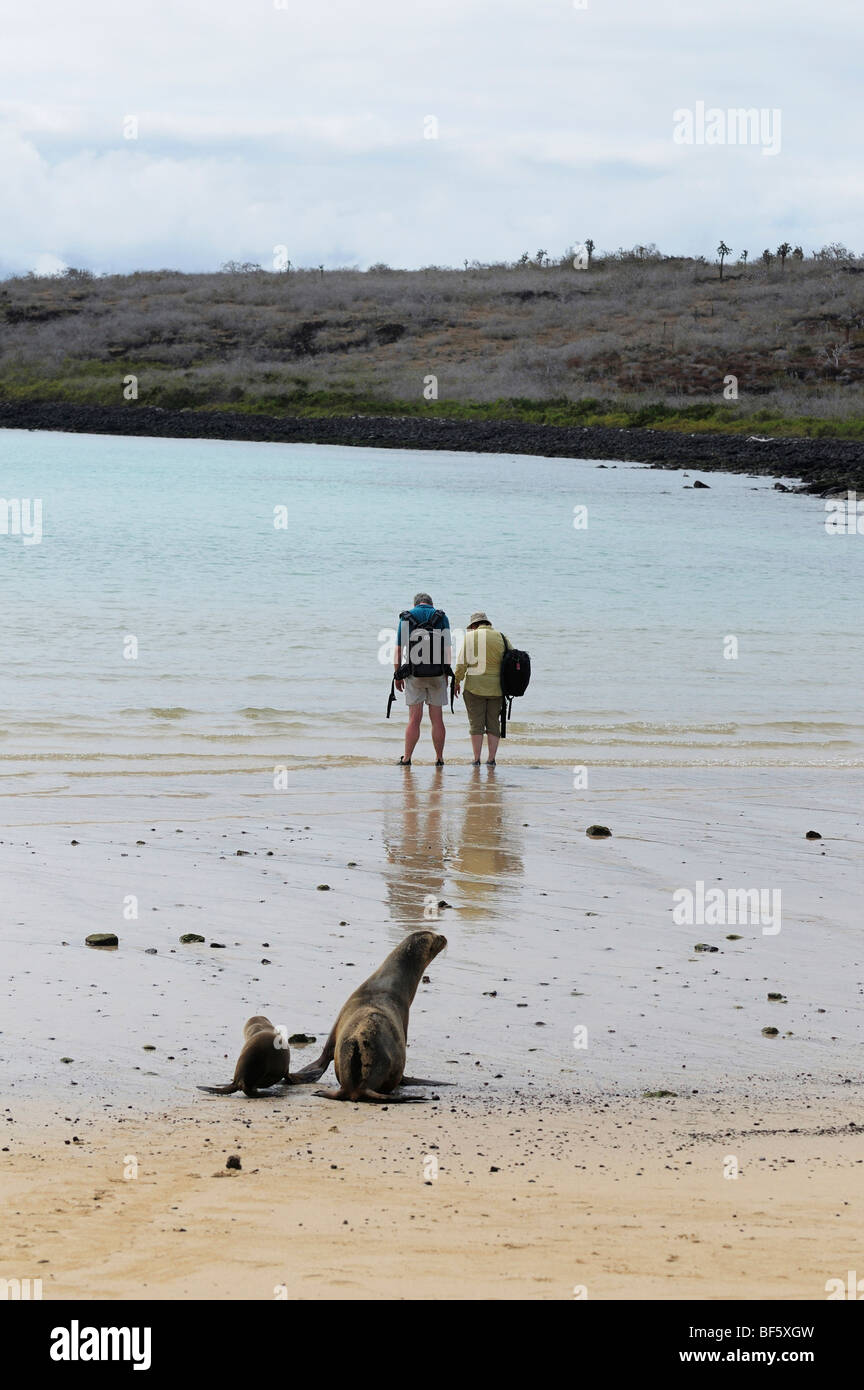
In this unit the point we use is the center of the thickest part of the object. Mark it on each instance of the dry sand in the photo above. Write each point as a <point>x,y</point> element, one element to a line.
<point>625,1200</point>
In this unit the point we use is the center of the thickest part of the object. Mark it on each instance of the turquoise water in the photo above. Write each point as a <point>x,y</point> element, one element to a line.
<point>255,642</point>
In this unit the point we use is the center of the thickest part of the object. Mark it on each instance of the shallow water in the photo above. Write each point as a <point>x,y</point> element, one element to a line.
<point>259,646</point>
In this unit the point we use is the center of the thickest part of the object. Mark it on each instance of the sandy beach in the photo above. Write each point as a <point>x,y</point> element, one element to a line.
<point>599,1181</point>
<point>196,745</point>
<point>531,1199</point>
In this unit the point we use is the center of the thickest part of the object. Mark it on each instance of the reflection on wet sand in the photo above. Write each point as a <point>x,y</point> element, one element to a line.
<point>489,847</point>
<point>417,848</point>
<point>439,834</point>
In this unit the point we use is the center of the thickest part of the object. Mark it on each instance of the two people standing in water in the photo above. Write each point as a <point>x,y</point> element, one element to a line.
<point>421,668</point>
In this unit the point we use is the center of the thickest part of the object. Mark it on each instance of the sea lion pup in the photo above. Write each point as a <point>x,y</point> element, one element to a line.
<point>263,1061</point>
<point>368,1041</point>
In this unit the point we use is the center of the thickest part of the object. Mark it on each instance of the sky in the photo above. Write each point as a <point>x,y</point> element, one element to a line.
<point>187,133</point>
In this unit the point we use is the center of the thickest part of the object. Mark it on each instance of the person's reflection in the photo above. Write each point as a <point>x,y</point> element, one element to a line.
<point>416,845</point>
<point>488,849</point>
<point>427,848</point>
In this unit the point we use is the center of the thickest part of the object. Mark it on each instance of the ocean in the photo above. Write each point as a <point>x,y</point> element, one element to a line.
<point>214,606</point>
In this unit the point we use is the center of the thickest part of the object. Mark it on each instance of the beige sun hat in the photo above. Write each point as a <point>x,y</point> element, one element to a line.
<point>478,618</point>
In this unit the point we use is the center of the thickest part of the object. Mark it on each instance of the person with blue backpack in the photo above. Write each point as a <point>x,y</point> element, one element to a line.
<point>421,665</point>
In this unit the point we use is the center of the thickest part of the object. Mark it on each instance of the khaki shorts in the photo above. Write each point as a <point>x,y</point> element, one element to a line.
<point>484,713</point>
<point>432,691</point>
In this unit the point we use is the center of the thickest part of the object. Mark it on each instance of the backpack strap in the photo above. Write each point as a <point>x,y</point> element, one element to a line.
<point>504,712</point>
<point>392,696</point>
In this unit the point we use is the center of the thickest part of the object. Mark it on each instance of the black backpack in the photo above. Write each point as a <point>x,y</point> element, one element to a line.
<point>426,648</point>
<point>515,676</point>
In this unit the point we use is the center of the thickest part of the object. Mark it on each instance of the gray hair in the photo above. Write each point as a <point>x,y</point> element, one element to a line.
<point>423,598</point>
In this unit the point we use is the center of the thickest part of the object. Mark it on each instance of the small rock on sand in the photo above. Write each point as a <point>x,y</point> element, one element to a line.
<point>102,938</point>
<point>598,832</point>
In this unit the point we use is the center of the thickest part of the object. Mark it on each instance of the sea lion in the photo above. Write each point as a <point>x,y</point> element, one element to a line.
<point>263,1061</point>
<point>368,1041</point>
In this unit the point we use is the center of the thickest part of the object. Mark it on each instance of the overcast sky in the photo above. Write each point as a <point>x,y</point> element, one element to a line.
<point>303,126</point>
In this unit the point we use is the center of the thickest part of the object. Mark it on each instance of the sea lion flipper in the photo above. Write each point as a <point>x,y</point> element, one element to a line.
<point>392,1099</point>
<point>307,1075</point>
<point>373,1097</point>
<point>423,1081</point>
<point>219,1090</point>
<point>315,1070</point>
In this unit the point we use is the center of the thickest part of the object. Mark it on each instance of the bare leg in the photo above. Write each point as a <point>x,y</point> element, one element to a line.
<point>412,732</point>
<point>492,741</point>
<point>439,732</point>
<point>477,745</point>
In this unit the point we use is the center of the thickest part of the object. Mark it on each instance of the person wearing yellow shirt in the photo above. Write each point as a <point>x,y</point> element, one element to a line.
<point>479,667</point>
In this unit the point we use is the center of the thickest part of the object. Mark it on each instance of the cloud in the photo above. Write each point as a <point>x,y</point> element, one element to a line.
<point>260,126</point>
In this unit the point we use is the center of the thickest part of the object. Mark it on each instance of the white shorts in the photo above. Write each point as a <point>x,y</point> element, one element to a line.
<point>431,691</point>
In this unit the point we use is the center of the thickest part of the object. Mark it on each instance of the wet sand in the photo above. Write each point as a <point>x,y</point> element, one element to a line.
<point>549,932</point>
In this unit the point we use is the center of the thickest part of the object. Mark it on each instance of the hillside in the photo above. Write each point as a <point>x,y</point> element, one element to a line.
<point>635,339</point>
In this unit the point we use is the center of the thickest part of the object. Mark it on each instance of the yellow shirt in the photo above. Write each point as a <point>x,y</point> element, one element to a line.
<point>480,657</point>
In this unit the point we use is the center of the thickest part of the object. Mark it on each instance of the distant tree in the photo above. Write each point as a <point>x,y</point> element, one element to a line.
<point>524,259</point>
<point>798,254</point>
<point>542,257</point>
<point>723,251</point>
<point>767,258</point>
<point>589,247</point>
<point>835,251</point>
<point>74,273</point>
<point>744,255</point>
<point>239,267</point>
<point>783,251</point>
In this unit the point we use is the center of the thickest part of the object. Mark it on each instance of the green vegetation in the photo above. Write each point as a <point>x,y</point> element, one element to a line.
<point>96,384</point>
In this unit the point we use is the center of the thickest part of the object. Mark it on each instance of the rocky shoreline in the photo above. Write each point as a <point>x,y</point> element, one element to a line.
<point>823,466</point>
